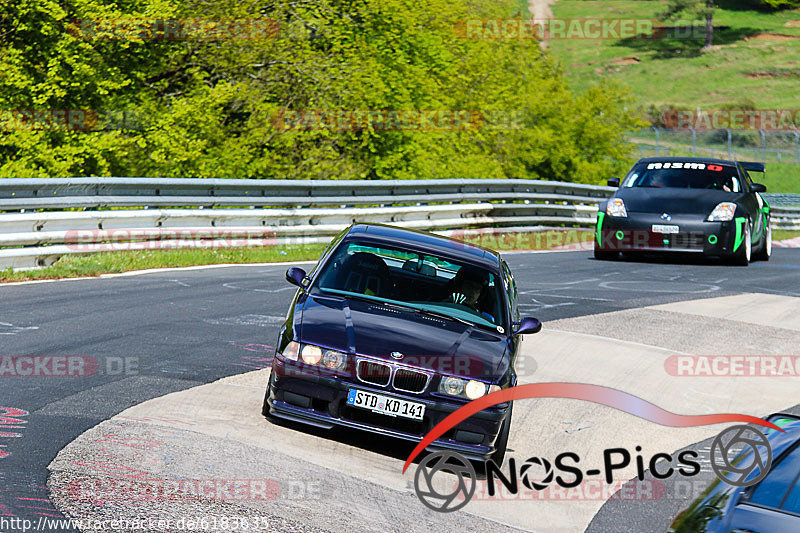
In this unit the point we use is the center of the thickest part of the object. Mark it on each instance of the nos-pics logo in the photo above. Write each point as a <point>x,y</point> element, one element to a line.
<point>740,455</point>
<point>446,481</point>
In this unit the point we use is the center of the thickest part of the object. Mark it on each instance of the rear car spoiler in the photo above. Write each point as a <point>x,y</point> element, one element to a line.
<point>752,167</point>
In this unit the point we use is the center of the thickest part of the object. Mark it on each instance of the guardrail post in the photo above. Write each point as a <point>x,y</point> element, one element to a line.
<point>730,143</point>
<point>797,147</point>
<point>694,142</point>
<point>763,145</point>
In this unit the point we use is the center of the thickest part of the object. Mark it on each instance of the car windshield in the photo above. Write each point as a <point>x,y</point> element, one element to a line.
<point>416,280</point>
<point>685,175</point>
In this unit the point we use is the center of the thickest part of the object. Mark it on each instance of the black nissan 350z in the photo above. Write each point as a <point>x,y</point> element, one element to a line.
<point>678,204</point>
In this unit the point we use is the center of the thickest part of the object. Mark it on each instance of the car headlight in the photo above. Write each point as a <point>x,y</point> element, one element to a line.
<point>474,389</point>
<point>723,212</point>
<point>314,355</point>
<point>452,386</point>
<point>292,351</point>
<point>469,389</point>
<point>311,354</point>
<point>616,208</point>
<point>333,360</point>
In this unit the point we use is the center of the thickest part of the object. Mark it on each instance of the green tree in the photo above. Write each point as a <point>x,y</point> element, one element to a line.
<point>700,8</point>
<point>781,4</point>
<point>208,107</point>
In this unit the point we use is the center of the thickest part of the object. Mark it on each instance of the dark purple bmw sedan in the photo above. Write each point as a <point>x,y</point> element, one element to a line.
<point>395,329</point>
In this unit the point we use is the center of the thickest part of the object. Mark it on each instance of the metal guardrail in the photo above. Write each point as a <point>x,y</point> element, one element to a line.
<point>96,193</point>
<point>786,218</point>
<point>44,219</point>
<point>780,199</point>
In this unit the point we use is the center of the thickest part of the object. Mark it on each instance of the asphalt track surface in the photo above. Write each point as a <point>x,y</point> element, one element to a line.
<point>179,329</point>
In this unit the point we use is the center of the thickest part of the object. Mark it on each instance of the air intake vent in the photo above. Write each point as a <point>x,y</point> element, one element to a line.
<point>410,380</point>
<point>374,373</point>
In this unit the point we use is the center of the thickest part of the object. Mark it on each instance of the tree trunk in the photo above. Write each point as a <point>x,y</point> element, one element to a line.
<point>709,25</point>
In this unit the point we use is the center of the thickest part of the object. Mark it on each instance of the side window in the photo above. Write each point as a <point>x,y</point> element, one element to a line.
<point>780,489</point>
<point>511,291</point>
<point>336,240</point>
<point>747,178</point>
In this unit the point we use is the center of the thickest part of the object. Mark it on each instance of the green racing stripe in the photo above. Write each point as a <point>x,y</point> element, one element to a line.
<point>600,217</point>
<point>740,222</point>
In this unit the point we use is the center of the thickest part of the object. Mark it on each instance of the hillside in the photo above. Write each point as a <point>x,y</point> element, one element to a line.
<point>755,61</point>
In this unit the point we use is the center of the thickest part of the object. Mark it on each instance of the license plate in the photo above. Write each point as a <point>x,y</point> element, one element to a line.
<point>385,405</point>
<point>660,228</point>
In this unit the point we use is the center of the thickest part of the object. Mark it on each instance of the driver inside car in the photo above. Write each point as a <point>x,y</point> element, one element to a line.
<point>467,291</point>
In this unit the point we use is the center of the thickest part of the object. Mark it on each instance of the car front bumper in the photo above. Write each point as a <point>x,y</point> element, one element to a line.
<point>695,235</point>
<point>320,400</point>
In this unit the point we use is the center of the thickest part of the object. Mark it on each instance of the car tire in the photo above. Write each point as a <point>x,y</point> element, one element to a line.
<point>265,407</point>
<point>766,251</point>
<point>602,255</point>
<point>501,443</point>
<point>745,254</point>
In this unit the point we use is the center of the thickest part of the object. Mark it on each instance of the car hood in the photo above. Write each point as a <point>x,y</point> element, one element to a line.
<point>371,329</point>
<point>673,201</point>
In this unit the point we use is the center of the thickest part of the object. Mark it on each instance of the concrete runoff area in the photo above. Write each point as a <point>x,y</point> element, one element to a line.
<point>215,431</point>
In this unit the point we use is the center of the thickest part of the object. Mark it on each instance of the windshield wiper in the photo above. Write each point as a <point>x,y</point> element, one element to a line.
<point>405,307</point>
<point>376,301</point>
<point>444,316</point>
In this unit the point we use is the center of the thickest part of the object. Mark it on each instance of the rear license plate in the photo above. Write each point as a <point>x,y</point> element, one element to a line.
<point>385,405</point>
<point>660,228</point>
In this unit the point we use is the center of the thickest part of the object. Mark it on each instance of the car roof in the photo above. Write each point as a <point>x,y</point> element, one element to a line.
<point>689,159</point>
<point>422,240</point>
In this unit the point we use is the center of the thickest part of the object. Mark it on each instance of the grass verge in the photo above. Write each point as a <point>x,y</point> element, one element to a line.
<point>89,265</point>
<point>780,177</point>
<point>782,235</point>
<point>76,266</point>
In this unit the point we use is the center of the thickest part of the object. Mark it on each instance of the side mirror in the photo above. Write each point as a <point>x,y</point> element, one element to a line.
<point>613,182</point>
<point>528,325</point>
<point>296,276</point>
<point>758,187</point>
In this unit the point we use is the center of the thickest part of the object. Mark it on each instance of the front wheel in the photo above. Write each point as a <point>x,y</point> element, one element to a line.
<point>766,251</point>
<point>501,443</point>
<point>265,407</point>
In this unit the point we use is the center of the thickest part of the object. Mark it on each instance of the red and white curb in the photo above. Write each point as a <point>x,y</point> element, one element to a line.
<point>788,243</point>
